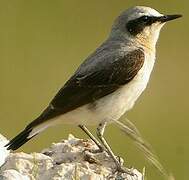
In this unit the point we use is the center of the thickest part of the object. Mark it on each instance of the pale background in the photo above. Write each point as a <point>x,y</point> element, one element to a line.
<point>43,42</point>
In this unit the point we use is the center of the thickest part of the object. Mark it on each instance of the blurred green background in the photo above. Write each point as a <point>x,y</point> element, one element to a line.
<point>43,42</point>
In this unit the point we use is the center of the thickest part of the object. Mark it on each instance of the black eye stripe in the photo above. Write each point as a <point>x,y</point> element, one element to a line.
<point>149,20</point>
<point>137,25</point>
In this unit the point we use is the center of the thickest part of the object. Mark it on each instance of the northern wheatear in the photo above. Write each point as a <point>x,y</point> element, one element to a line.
<point>108,82</point>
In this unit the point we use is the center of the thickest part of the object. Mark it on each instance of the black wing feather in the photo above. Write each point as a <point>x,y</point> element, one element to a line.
<point>90,83</point>
<point>101,74</point>
<point>19,140</point>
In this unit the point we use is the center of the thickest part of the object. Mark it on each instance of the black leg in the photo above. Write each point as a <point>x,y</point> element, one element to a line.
<point>84,128</point>
<point>100,132</point>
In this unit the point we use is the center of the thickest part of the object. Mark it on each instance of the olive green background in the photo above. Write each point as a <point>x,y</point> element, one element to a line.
<point>42,42</point>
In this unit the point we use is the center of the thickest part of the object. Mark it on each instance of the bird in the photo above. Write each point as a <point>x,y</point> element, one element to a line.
<point>108,82</point>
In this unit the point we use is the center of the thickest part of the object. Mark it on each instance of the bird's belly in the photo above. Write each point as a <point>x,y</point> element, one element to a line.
<point>112,106</point>
<point>108,108</point>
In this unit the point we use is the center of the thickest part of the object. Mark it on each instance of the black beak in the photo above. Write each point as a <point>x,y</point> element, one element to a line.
<point>168,17</point>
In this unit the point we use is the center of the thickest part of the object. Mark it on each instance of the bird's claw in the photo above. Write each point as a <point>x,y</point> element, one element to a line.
<point>123,169</point>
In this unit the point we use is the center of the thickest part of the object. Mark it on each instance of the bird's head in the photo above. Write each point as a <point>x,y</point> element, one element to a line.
<point>141,24</point>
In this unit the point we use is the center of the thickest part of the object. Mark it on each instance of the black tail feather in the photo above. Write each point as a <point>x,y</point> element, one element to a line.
<point>19,140</point>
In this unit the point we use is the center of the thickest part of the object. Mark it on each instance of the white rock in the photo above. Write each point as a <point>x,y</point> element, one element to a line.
<point>66,160</point>
<point>3,151</point>
<point>13,174</point>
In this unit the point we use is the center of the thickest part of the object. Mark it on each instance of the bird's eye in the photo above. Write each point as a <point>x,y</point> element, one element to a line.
<point>145,18</point>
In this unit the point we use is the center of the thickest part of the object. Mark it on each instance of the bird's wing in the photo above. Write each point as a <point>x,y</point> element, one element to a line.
<point>93,81</point>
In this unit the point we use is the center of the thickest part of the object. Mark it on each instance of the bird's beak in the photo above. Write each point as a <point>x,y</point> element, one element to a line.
<point>166,18</point>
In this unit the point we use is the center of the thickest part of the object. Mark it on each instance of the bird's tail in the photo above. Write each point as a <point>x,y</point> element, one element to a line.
<point>29,132</point>
<point>20,139</point>
<point>32,129</point>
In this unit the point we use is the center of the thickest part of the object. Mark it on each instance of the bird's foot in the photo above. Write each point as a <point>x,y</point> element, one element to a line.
<point>120,167</point>
<point>123,169</point>
<point>122,173</point>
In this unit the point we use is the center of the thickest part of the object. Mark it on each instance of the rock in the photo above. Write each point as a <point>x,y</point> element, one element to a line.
<point>13,174</point>
<point>67,160</point>
<point>3,151</point>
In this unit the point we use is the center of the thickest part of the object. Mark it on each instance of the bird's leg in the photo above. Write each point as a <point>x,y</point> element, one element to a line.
<point>84,128</point>
<point>100,132</point>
